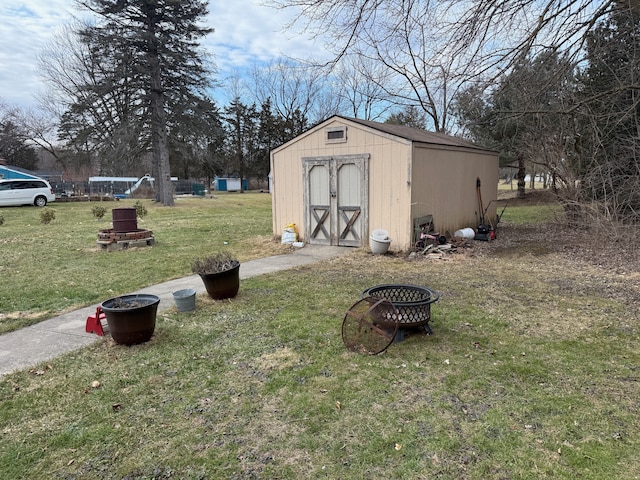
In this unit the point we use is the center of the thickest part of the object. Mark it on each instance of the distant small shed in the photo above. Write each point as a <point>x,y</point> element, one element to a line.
<point>7,172</point>
<point>345,177</point>
<point>229,184</point>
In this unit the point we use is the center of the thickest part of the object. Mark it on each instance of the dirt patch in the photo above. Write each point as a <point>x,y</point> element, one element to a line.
<point>580,246</point>
<point>279,359</point>
<point>545,280</point>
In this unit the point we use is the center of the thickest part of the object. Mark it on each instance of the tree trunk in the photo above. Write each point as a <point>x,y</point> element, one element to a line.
<point>160,146</point>
<point>522,173</point>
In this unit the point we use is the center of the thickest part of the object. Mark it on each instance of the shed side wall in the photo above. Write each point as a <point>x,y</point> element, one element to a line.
<point>444,184</point>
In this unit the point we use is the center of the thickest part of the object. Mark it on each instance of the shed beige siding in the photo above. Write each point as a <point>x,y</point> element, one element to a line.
<point>389,173</point>
<point>409,173</point>
<point>444,185</point>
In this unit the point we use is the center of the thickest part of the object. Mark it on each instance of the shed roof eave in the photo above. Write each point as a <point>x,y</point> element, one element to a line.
<point>420,136</point>
<point>409,135</point>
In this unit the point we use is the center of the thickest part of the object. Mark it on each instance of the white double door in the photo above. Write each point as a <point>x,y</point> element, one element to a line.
<point>336,196</point>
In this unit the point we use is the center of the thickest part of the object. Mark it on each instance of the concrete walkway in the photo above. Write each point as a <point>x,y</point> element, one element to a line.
<point>43,341</point>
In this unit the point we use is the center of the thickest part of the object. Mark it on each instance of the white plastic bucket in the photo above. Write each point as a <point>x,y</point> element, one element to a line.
<point>465,233</point>
<point>379,247</point>
<point>380,234</point>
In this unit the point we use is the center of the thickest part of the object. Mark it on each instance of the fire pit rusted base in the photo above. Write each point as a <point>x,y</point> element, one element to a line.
<point>111,240</point>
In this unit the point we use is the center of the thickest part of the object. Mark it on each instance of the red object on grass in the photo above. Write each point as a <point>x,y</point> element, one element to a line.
<point>94,322</point>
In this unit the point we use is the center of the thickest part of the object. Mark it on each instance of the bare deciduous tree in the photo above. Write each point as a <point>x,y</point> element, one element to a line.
<point>361,84</point>
<point>422,66</point>
<point>433,49</point>
<point>437,48</point>
<point>292,89</point>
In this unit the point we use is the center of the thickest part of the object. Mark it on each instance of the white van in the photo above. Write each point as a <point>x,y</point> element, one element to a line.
<point>28,191</point>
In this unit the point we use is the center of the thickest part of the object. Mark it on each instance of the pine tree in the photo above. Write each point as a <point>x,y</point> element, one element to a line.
<point>610,114</point>
<point>150,47</point>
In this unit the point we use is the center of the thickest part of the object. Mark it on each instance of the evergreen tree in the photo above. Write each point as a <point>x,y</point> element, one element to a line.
<point>411,116</point>
<point>270,135</point>
<point>14,149</point>
<point>242,138</point>
<point>609,124</point>
<point>196,139</point>
<point>148,53</point>
<point>524,117</point>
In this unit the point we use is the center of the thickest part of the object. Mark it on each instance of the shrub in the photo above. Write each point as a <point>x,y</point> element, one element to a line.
<point>141,210</point>
<point>217,263</point>
<point>98,211</point>
<point>47,215</point>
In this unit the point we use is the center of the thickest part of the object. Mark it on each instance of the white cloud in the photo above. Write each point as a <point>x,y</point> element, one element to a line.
<point>251,32</point>
<point>25,27</point>
<point>245,34</point>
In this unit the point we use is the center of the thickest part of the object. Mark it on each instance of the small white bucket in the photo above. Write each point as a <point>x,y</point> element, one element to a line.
<point>379,247</point>
<point>380,234</point>
<point>465,233</point>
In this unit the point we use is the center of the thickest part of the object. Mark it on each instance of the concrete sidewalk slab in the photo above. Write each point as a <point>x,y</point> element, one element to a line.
<point>48,339</point>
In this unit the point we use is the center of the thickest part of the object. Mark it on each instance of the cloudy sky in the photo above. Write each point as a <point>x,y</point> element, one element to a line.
<point>245,34</point>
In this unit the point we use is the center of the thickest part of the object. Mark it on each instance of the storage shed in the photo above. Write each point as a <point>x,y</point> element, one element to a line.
<point>9,173</point>
<point>346,177</point>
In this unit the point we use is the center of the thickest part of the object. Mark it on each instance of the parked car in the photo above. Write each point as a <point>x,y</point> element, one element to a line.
<point>29,191</point>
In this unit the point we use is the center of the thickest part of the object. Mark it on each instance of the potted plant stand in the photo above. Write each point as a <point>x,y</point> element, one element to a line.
<point>220,274</point>
<point>131,318</point>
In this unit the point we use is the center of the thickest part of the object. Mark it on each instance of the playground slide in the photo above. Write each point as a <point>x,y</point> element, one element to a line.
<point>135,186</point>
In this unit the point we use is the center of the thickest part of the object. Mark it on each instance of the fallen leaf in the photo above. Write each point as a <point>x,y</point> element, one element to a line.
<point>338,405</point>
<point>398,446</point>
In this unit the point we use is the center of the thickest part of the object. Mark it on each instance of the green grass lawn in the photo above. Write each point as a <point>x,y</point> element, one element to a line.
<point>48,269</point>
<point>532,372</point>
<point>531,214</point>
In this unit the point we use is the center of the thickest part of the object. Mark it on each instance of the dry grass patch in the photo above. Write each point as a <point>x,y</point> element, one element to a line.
<point>532,372</point>
<point>278,360</point>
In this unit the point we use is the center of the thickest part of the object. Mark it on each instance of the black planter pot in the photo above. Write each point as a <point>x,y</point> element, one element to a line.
<point>131,318</point>
<point>222,285</point>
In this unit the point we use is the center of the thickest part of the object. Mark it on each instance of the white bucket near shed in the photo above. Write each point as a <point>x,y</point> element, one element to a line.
<point>379,242</point>
<point>467,233</point>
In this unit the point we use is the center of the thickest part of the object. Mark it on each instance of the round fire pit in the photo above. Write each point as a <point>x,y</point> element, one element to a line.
<point>412,305</point>
<point>384,313</point>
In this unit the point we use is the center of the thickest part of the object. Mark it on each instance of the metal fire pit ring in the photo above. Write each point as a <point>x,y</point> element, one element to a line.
<point>384,312</point>
<point>361,331</point>
<point>412,305</point>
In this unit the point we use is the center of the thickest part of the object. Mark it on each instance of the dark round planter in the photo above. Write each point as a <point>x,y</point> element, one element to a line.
<point>131,318</point>
<point>222,285</point>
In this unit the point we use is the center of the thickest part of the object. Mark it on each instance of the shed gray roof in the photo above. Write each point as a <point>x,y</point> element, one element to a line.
<point>417,134</point>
